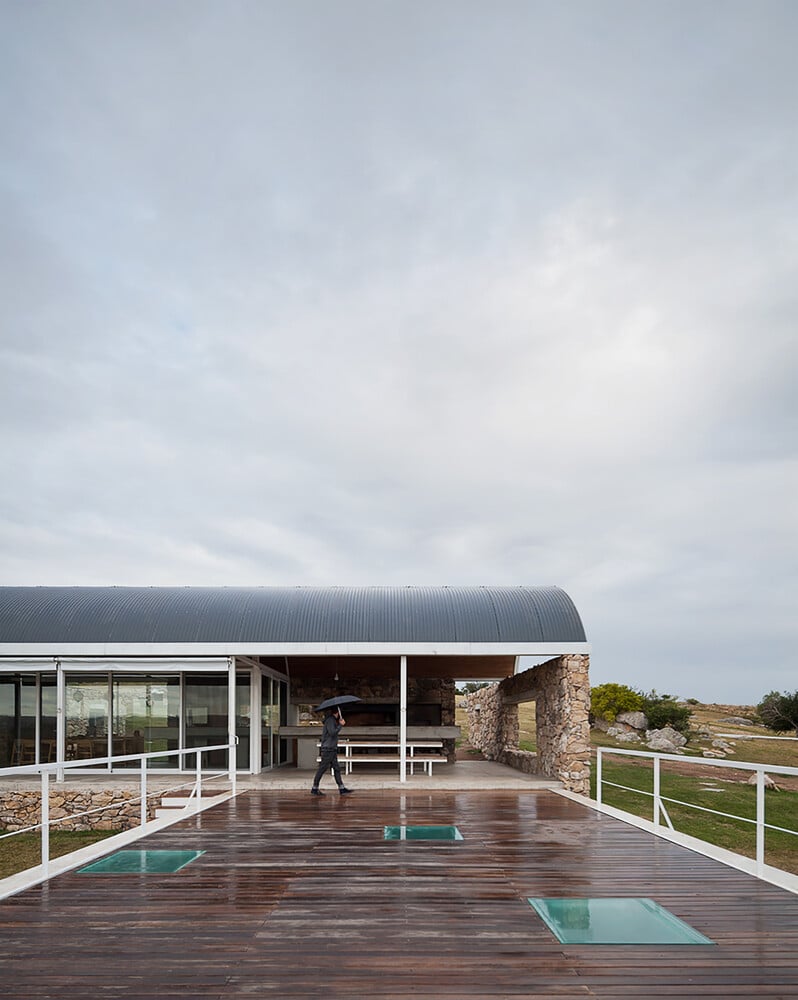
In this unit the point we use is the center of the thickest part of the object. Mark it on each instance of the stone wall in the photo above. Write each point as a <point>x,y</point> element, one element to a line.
<point>420,691</point>
<point>560,689</point>
<point>492,725</point>
<point>22,808</point>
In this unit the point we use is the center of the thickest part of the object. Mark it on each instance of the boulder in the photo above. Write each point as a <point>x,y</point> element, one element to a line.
<point>769,782</point>
<point>628,738</point>
<point>667,735</point>
<point>635,720</point>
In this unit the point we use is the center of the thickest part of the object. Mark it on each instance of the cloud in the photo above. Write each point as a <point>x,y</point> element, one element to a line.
<point>370,295</point>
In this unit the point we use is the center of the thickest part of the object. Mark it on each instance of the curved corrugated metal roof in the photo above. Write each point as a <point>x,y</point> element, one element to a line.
<point>288,614</point>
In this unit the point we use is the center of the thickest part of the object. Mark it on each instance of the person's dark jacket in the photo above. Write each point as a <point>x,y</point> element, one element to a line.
<point>329,736</point>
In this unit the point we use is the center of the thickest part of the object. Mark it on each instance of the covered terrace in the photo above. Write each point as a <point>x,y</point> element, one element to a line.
<point>97,672</point>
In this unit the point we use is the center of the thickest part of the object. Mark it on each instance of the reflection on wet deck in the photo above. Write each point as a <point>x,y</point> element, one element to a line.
<point>298,896</point>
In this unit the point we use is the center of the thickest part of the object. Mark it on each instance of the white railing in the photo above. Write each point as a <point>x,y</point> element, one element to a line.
<point>659,800</point>
<point>45,770</point>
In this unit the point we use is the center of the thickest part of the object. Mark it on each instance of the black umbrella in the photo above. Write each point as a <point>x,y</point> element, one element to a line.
<point>342,699</point>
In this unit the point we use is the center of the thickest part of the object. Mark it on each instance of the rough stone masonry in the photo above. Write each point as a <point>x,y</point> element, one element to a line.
<point>560,689</point>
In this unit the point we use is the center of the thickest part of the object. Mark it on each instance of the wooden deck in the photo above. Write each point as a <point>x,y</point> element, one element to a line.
<point>302,897</point>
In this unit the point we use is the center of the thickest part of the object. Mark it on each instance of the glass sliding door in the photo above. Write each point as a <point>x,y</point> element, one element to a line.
<point>273,713</point>
<point>205,714</point>
<point>243,722</point>
<point>146,717</point>
<point>18,711</point>
<point>87,714</point>
<point>8,719</point>
<point>284,743</point>
<point>47,720</point>
<point>23,699</point>
<point>266,760</point>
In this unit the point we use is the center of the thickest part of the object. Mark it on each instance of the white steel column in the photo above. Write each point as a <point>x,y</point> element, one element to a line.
<point>403,719</point>
<point>255,756</point>
<point>38,722</point>
<point>231,716</point>
<point>60,720</point>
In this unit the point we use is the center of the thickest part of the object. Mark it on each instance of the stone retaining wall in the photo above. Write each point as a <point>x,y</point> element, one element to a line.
<point>22,809</point>
<point>521,760</point>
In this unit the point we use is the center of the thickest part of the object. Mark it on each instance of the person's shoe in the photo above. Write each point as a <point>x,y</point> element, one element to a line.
<point>345,791</point>
<point>316,791</point>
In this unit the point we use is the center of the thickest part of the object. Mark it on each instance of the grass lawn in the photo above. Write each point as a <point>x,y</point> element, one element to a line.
<point>734,797</point>
<point>25,849</point>
<point>716,788</point>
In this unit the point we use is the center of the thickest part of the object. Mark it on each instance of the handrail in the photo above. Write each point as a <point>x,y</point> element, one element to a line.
<point>45,770</point>
<point>659,808</point>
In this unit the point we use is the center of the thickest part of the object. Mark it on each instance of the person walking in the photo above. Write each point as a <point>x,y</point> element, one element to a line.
<point>333,723</point>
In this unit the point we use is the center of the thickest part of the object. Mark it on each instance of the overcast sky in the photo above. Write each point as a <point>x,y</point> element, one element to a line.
<point>382,293</point>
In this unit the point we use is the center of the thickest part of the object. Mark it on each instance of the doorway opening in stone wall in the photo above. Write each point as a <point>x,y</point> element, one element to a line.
<point>527,726</point>
<point>465,749</point>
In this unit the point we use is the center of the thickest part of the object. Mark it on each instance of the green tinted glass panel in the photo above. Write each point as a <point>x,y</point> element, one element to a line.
<point>422,833</point>
<point>126,862</point>
<point>614,921</point>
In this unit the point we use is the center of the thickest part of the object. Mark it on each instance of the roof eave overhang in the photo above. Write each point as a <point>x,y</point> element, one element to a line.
<point>182,649</point>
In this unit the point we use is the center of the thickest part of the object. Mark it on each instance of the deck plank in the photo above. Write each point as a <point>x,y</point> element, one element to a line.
<point>301,897</point>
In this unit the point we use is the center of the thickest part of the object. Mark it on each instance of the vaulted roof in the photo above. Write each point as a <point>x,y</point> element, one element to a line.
<point>265,617</point>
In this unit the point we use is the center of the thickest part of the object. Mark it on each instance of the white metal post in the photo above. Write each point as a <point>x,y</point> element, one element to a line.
<point>143,791</point>
<point>255,722</point>
<point>598,776</point>
<point>199,776</point>
<point>45,817</point>
<point>656,791</point>
<point>760,820</point>
<point>231,719</point>
<point>403,719</point>
<point>38,722</point>
<point>109,728</point>
<point>60,721</point>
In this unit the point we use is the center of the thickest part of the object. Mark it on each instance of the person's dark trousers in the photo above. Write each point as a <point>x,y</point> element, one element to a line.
<point>329,761</point>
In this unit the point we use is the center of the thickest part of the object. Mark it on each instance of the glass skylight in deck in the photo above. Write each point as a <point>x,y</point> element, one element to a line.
<point>149,862</point>
<point>422,833</point>
<point>614,921</point>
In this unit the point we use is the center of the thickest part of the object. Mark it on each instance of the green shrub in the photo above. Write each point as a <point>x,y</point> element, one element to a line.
<point>473,686</point>
<point>779,711</point>
<point>607,701</point>
<point>663,710</point>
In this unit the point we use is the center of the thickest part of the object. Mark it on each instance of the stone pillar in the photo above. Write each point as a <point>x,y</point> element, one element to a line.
<point>563,728</point>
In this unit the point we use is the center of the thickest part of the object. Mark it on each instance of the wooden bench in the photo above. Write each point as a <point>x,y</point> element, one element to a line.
<point>349,758</point>
<point>385,758</point>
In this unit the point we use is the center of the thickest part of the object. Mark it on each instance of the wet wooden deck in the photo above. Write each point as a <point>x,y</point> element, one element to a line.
<point>302,897</point>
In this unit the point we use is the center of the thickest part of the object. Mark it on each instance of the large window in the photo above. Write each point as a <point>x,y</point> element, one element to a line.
<point>116,713</point>
<point>243,720</point>
<point>47,721</point>
<point>146,717</point>
<point>18,720</point>
<point>273,714</point>
<point>206,718</point>
<point>87,714</point>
